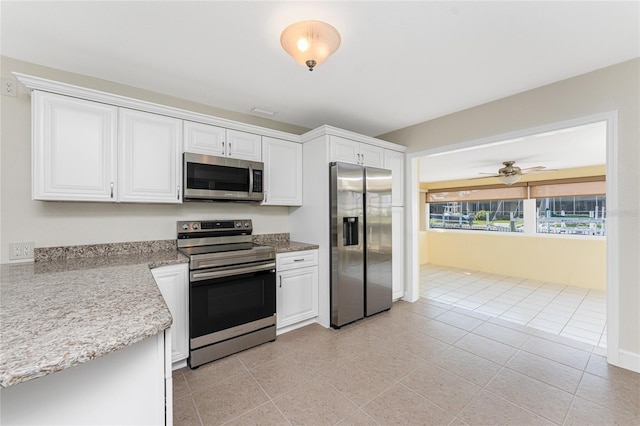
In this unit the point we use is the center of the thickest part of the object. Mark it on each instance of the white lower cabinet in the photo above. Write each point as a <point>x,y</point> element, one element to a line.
<point>131,386</point>
<point>173,282</point>
<point>297,287</point>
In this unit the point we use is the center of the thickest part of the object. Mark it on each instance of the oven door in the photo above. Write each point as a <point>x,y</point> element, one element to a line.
<point>228,297</point>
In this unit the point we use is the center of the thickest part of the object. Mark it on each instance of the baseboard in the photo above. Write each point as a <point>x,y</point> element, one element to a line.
<point>179,364</point>
<point>295,326</point>
<point>628,360</point>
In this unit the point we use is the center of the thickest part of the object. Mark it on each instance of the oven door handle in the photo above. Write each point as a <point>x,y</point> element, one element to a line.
<point>200,276</point>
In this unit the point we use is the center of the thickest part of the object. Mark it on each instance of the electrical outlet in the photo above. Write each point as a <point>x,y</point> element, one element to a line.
<point>21,251</point>
<point>8,87</point>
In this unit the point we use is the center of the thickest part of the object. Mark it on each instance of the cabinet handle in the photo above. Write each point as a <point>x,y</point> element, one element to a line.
<point>280,281</point>
<point>222,147</point>
<point>111,189</point>
<point>178,195</point>
<point>358,157</point>
<point>229,148</point>
<point>298,260</point>
<point>362,161</point>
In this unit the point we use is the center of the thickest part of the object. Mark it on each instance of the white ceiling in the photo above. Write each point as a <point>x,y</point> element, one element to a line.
<point>579,146</point>
<point>400,63</point>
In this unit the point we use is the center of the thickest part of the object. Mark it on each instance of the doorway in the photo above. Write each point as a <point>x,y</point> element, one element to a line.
<point>414,213</point>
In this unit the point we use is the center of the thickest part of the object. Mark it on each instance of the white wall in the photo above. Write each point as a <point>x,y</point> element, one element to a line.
<point>614,88</point>
<point>68,223</point>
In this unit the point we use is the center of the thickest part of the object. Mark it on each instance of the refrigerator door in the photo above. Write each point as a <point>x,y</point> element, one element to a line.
<point>347,243</point>
<point>378,237</point>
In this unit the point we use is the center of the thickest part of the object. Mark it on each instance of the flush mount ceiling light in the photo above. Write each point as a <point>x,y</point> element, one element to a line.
<point>310,42</point>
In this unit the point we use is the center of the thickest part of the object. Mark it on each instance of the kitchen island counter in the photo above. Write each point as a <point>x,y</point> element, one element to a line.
<point>60,313</point>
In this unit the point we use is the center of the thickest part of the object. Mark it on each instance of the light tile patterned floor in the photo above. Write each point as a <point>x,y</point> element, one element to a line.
<point>572,312</point>
<point>422,363</point>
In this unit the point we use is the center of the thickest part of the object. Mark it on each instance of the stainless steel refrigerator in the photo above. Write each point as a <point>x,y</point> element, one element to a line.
<point>360,242</point>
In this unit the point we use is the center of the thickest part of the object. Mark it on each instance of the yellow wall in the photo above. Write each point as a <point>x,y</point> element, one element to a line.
<point>579,262</point>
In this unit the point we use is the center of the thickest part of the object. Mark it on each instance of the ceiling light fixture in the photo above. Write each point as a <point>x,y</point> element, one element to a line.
<point>310,42</point>
<point>509,179</point>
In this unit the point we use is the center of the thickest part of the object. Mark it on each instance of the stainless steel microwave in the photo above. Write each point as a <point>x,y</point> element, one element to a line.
<point>210,178</point>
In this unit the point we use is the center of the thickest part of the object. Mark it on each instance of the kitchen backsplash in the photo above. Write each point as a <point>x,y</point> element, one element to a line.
<point>42,254</point>
<point>266,239</point>
<point>96,250</point>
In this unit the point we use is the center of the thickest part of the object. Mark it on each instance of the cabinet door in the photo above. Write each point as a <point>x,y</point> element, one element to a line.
<point>173,282</point>
<point>371,155</point>
<point>203,139</point>
<point>149,151</point>
<point>394,161</point>
<point>397,263</point>
<point>344,150</point>
<point>243,145</point>
<point>74,146</point>
<point>297,296</point>
<point>282,172</point>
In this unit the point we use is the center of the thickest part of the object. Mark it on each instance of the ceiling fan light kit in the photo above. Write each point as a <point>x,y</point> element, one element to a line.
<point>509,180</point>
<point>310,43</point>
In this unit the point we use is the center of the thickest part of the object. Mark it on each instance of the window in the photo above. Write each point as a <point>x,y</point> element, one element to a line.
<point>571,215</point>
<point>574,206</point>
<point>491,215</point>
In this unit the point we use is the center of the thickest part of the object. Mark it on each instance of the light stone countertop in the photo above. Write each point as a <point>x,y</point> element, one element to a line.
<point>61,313</point>
<point>291,246</point>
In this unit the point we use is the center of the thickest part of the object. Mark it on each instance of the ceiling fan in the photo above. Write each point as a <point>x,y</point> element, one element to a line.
<point>510,174</point>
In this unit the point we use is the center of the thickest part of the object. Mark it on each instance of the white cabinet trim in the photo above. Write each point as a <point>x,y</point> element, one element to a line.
<point>334,131</point>
<point>38,83</point>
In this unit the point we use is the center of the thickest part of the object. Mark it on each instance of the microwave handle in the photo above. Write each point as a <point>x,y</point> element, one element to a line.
<point>250,180</point>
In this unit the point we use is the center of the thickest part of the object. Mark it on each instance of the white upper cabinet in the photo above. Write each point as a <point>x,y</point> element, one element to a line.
<point>203,139</point>
<point>348,151</point>
<point>394,161</point>
<point>243,145</point>
<point>74,147</point>
<point>149,163</point>
<point>372,156</point>
<point>283,172</point>
<point>212,140</point>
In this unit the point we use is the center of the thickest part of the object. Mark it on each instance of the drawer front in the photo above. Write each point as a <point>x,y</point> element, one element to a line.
<point>296,259</point>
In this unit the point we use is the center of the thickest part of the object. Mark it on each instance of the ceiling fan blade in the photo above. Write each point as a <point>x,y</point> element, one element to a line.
<point>483,177</point>
<point>534,170</point>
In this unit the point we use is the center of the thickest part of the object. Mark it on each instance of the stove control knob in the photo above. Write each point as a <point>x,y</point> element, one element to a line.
<point>194,226</point>
<point>246,224</point>
<point>185,226</point>
<point>238,224</point>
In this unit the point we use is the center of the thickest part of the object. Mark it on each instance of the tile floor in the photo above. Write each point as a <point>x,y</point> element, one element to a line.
<point>420,363</point>
<point>572,312</point>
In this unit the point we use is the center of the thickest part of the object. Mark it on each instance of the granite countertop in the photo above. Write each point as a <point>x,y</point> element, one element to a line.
<point>281,243</point>
<point>289,246</point>
<point>60,313</point>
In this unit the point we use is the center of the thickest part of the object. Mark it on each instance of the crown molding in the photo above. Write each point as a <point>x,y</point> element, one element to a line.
<point>37,83</point>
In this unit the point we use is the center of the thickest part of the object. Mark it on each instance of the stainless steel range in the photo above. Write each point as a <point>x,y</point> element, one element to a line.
<point>232,288</point>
